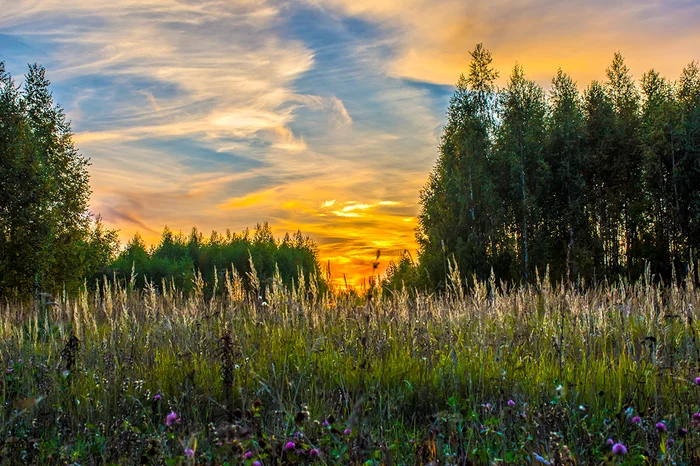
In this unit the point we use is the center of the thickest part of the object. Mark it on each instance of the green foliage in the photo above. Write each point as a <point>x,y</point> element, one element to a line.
<point>481,377</point>
<point>180,261</point>
<point>46,234</point>
<point>592,186</point>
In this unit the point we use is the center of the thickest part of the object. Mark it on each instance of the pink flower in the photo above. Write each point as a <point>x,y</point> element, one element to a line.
<point>347,431</point>
<point>314,453</point>
<point>248,455</point>
<point>290,446</point>
<point>157,397</point>
<point>189,453</point>
<point>636,420</point>
<point>511,403</point>
<point>619,449</point>
<point>171,419</point>
<point>697,380</point>
<point>610,441</point>
<point>661,427</point>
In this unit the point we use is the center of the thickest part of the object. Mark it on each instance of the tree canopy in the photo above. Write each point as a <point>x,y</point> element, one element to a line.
<point>48,237</point>
<point>597,184</point>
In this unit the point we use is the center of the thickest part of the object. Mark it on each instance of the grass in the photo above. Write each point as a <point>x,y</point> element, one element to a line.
<point>521,375</point>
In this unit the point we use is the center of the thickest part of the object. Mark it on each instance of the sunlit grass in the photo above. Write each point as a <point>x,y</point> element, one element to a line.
<point>477,377</point>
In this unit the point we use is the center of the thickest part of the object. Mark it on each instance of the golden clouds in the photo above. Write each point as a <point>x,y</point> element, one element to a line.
<point>433,39</point>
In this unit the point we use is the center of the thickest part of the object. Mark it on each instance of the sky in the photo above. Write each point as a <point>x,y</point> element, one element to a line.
<point>323,116</point>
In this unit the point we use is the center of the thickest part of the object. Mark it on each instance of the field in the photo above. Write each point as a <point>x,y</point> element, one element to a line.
<point>541,374</point>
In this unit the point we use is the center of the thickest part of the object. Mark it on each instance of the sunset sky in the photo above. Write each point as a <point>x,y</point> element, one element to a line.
<point>323,116</point>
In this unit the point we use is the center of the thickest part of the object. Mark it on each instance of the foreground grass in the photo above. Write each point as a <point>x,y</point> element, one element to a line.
<point>517,376</point>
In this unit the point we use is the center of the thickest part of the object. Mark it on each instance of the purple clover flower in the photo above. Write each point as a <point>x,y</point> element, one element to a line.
<point>661,427</point>
<point>171,419</point>
<point>347,431</point>
<point>511,403</point>
<point>290,446</point>
<point>189,453</point>
<point>636,420</point>
<point>619,449</point>
<point>248,455</point>
<point>314,453</point>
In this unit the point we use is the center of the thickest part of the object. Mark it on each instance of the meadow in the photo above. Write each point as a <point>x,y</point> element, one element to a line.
<point>485,374</point>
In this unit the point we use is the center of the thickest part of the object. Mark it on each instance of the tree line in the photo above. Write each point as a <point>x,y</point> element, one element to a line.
<point>50,241</point>
<point>604,183</point>
<point>180,260</point>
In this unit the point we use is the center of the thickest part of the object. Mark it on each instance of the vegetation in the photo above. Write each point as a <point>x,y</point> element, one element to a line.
<point>232,350</point>
<point>49,240</point>
<point>47,236</point>
<point>591,186</point>
<point>178,260</point>
<point>510,376</point>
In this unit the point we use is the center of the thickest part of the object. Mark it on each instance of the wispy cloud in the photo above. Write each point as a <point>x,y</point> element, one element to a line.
<point>432,40</point>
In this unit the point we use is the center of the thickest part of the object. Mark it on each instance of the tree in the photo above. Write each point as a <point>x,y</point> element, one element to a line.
<point>44,192</point>
<point>659,136</point>
<point>566,217</point>
<point>687,168</point>
<point>626,180</point>
<point>520,143</point>
<point>457,210</point>
<point>598,171</point>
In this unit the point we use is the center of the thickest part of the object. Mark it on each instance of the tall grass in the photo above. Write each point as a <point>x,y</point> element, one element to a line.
<point>492,375</point>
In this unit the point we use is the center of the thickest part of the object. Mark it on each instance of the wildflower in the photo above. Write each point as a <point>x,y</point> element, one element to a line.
<point>219,443</point>
<point>9,371</point>
<point>540,459</point>
<point>670,442</point>
<point>248,455</point>
<point>347,431</point>
<point>696,416</point>
<point>661,427</point>
<point>610,441</point>
<point>682,432</point>
<point>511,403</point>
<point>257,463</point>
<point>171,419</point>
<point>697,380</point>
<point>326,424</point>
<point>157,397</point>
<point>19,361</point>
<point>290,446</point>
<point>189,453</point>
<point>314,453</point>
<point>636,420</point>
<point>619,449</point>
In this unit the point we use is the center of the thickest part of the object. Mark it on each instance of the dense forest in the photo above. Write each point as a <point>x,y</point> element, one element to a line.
<point>185,262</point>
<point>50,241</point>
<point>603,183</point>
